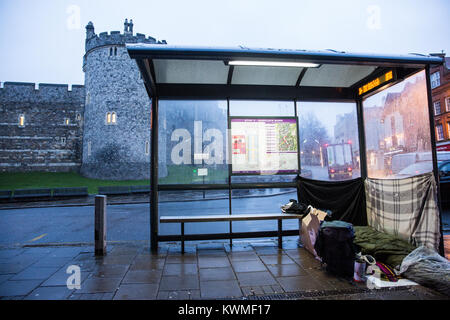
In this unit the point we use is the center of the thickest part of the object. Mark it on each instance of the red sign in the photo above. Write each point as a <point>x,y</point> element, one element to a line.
<point>444,147</point>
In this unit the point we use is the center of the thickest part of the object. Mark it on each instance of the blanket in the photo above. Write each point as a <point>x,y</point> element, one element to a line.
<point>383,247</point>
<point>405,208</point>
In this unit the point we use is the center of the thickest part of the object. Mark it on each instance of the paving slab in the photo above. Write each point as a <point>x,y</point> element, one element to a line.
<point>180,269</point>
<point>248,266</point>
<point>35,273</point>
<point>213,261</point>
<point>276,259</point>
<point>18,288</point>
<point>220,289</point>
<point>137,292</point>
<point>300,283</point>
<point>259,278</point>
<point>49,293</point>
<point>287,270</point>
<point>179,295</point>
<point>100,285</point>
<point>172,283</point>
<point>110,271</point>
<point>142,276</point>
<point>223,273</point>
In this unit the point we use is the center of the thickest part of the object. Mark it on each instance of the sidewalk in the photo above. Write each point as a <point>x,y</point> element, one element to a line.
<point>208,270</point>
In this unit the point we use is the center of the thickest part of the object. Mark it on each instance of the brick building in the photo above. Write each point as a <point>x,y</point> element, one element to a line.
<point>440,85</point>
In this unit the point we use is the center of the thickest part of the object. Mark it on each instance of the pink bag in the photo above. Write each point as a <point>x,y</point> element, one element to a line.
<point>310,229</point>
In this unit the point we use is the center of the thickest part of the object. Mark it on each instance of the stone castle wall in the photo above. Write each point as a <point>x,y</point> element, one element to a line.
<point>45,142</point>
<point>117,150</point>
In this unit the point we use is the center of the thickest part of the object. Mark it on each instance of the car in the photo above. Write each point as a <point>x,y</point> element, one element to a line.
<point>444,182</point>
<point>404,160</point>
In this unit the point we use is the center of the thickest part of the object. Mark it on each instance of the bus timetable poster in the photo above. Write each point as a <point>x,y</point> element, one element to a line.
<point>264,145</point>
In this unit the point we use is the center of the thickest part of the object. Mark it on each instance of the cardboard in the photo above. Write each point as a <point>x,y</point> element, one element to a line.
<point>310,229</point>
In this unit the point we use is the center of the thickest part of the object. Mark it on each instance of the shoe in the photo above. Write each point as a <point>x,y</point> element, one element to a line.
<point>296,208</point>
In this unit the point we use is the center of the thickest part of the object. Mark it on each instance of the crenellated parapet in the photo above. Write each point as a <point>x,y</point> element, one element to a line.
<point>115,37</point>
<point>41,93</point>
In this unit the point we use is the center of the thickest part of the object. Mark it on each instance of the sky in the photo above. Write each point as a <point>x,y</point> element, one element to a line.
<point>43,41</point>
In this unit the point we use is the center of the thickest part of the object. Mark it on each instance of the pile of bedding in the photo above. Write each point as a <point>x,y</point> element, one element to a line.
<point>383,247</point>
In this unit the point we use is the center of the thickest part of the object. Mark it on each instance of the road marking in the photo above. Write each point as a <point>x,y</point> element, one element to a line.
<point>37,238</point>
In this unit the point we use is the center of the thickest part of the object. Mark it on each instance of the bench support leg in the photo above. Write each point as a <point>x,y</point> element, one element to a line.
<point>182,237</point>
<point>280,238</point>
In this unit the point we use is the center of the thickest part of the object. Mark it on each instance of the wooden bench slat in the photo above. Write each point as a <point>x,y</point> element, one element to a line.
<point>225,217</point>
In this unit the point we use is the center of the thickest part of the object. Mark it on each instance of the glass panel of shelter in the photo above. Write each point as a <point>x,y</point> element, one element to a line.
<point>397,129</point>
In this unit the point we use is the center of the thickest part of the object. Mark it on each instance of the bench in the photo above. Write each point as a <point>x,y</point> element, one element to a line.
<point>227,217</point>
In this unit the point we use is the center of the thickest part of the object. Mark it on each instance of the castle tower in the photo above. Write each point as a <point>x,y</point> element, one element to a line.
<point>116,142</point>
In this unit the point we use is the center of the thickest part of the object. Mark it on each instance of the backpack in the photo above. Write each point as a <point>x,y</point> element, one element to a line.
<point>335,246</point>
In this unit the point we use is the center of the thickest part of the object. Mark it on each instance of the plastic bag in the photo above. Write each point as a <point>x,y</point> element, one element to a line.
<point>428,268</point>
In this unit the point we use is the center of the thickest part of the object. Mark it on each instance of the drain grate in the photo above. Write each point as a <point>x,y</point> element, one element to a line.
<point>325,293</point>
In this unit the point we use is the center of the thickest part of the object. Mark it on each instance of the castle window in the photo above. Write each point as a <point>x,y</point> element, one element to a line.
<point>147,147</point>
<point>66,121</point>
<point>111,118</point>
<point>63,140</point>
<point>78,117</point>
<point>115,51</point>
<point>110,51</point>
<point>89,148</point>
<point>88,98</point>
<point>21,120</point>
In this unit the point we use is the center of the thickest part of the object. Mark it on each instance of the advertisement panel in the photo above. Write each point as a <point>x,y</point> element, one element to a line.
<point>264,145</point>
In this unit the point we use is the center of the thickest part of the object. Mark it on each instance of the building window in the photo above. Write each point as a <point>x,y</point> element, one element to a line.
<point>111,118</point>
<point>147,147</point>
<point>437,108</point>
<point>88,98</point>
<point>435,80</point>
<point>78,117</point>
<point>440,132</point>
<point>110,51</point>
<point>66,121</point>
<point>115,51</point>
<point>21,120</point>
<point>89,148</point>
<point>447,104</point>
<point>63,140</point>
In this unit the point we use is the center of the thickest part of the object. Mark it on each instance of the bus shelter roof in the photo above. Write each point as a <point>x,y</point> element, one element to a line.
<point>191,72</point>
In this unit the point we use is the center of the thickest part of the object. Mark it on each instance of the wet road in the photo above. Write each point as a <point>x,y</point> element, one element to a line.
<point>130,222</point>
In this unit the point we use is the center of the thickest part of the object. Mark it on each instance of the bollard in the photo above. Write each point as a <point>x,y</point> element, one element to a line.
<point>100,225</point>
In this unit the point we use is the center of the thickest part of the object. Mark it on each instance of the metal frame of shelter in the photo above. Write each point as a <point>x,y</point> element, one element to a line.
<point>147,54</point>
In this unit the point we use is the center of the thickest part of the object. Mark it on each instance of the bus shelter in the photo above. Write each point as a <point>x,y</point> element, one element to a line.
<point>375,164</point>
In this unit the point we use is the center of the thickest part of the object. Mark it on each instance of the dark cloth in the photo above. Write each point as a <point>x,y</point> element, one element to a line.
<point>345,199</point>
<point>382,246</point>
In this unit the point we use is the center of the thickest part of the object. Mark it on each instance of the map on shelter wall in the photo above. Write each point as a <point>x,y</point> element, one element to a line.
<point>264,145</point>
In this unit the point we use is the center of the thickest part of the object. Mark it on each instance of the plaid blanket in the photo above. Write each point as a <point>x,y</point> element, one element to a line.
<point>405,208</point>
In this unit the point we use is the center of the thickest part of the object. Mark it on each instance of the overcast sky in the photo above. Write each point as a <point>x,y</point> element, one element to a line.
<point>43,41</point>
